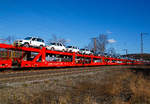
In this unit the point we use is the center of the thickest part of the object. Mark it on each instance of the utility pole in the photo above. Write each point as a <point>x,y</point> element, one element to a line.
<point>142,41</point>
<point>126,50</point>
<point>95,47</point>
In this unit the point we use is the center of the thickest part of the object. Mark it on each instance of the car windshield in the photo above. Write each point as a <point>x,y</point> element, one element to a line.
<point>82,49</point>
<point>53,43</point>
<point>27,38</point>
<point>69,46</point>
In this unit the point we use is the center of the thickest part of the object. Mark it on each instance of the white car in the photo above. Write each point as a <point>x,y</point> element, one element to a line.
<point>72,49</point>
<point>30,42</point>
<point>85,51</point>
<point>56,47</point>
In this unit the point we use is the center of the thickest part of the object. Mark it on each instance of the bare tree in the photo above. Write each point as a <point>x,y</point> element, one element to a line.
<point>112,51</point>
<point>102,41</point>
<point>98,44</point>
<point>10,39</point>
<point>57,39</point>
<point>2,40</point>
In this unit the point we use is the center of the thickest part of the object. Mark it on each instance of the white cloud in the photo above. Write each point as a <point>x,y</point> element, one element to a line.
<point>108,32</point>
<point>68,40</point>
<point>111,41</point>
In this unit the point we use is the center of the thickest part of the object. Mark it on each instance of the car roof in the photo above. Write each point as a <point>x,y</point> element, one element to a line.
<point>72,46</point>
<point>84,49</point>
<point>33,37</point>
<point>56,42</point>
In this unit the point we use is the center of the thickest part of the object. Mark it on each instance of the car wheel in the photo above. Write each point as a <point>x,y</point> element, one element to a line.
<point>52,49</point>
<point>63,50</point>
<point>41,46</point>
<point>26,45</point>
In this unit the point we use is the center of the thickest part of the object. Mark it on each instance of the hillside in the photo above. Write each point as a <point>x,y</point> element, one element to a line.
<point>144,56</point>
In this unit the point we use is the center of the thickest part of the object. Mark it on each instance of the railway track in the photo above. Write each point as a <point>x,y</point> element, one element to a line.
<point>9,77</point>
<point>20,71</point>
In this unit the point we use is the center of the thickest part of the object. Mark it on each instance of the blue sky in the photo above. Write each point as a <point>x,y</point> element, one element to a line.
<point>79,21</point>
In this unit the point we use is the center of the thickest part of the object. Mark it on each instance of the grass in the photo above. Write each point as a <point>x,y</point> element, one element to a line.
<point>116,87</point>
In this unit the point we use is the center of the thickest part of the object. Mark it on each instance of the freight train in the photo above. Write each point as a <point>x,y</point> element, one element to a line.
<point>25,57</point>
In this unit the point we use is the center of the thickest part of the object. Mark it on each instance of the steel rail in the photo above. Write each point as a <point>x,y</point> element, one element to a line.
<point>54,69</point>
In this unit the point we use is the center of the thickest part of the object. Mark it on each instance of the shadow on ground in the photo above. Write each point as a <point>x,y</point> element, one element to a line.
<point>145,70</point>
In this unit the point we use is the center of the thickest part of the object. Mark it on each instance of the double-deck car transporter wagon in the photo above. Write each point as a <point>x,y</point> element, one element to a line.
<point>21,57</point>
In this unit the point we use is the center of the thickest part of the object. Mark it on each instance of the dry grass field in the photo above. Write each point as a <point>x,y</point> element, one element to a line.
<point>106,87</point>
